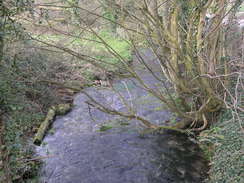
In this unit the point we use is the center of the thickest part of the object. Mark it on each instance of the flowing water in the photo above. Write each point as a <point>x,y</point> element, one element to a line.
<point>89,146</point>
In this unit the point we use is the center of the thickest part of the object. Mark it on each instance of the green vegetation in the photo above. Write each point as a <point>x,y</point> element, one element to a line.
<point>114,123</point>
<point>179,38</point>
<point>124,123</point>
<point>24,102</point>
<point>223,146</point>
<point>95,45</point>
<point>120,46</point>
<point>105,128</point>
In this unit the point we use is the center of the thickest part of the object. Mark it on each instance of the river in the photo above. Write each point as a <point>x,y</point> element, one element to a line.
<point>89,146</point>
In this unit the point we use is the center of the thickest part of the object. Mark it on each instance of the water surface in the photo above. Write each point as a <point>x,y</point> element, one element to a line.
<point>79,152</point>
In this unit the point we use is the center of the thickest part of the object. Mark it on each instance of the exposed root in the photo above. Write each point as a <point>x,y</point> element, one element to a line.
<point>204,126</point>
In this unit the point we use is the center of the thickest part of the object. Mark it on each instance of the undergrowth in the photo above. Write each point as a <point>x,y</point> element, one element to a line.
<point>24,99</point>
<point>223,145</point>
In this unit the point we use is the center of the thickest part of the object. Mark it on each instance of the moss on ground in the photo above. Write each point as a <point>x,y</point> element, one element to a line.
<point>224,146</point>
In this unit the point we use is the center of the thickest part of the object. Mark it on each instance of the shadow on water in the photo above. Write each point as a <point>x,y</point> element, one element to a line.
<point>179,159</point>
<point>78,151</point>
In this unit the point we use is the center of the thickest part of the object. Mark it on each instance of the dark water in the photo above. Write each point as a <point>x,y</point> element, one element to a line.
<point>78,152</point>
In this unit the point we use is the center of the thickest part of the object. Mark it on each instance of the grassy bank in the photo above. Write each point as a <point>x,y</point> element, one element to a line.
<point>100,47</point>
<point>223,144</point>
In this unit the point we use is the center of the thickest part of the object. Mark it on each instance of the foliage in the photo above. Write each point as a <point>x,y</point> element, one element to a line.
<point>10,27</point>
<point>224,145</point>
<point>25,101</point>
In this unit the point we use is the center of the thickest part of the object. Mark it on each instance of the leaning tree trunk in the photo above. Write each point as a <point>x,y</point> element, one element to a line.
<point>195,54</point>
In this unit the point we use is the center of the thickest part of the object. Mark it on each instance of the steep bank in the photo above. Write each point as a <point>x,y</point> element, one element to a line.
<point>225,139</point>
<point>225,148</point>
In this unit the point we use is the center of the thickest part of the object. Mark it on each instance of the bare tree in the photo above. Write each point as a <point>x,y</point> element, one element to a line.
<point>190,50</point>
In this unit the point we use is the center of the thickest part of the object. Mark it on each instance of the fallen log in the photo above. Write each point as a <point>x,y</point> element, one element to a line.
<point>60,109</point>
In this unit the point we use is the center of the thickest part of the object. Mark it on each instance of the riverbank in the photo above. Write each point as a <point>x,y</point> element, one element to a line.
<point>223,144</point>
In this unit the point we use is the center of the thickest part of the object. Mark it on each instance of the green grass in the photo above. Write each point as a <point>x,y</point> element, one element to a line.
<point>94,46</point>
<point>90,45</point>
<point>115,44</point>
